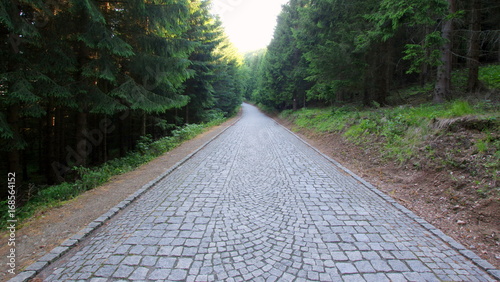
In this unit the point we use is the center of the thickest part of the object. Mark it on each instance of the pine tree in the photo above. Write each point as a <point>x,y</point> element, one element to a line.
<point>474,48</point>
<point>204,31</point>
<point>228,84</point>
<point>443,83</point>
<point>18,77</point>
<point>252,73</point>
<point>284,74</point>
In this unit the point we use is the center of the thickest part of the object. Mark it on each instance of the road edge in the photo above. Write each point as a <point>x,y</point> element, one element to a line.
<point>35,268</point>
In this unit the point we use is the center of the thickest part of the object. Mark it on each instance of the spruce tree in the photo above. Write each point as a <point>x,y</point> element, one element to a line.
<point>284,68</point>
<point>228,84</point>
<point>18,77</point>
<point>205,32</point>
<point>151,80</point>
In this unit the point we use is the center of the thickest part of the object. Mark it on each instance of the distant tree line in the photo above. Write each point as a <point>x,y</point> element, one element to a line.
<point>82,80</point>
<point>338,51</point>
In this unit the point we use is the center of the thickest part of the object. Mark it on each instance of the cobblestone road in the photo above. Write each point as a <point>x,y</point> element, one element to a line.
<point>258,204</point>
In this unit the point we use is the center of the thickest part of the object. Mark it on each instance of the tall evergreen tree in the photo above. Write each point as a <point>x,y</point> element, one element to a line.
<point>228,85</point>
<point>252,69</point>
<point>19,78</point>
<point>443,83</point>
<point>416,22</point>
<point>283,75</point>
<point>338,67</point>
<point>474,46</point>
<point>152,79</point>
<point>205,32</point>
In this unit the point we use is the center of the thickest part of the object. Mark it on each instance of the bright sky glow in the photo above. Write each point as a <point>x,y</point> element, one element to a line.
<point>249,23</point>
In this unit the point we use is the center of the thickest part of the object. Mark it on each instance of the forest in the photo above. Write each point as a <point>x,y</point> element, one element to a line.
<point>335,52</point>
<point>83,82</point>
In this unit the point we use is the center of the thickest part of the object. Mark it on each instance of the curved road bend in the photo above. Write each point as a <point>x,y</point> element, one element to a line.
<point>258,204</point>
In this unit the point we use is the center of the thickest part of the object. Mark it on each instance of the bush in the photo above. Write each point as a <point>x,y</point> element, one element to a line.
<point>460,108</point>
<point>490,76</point>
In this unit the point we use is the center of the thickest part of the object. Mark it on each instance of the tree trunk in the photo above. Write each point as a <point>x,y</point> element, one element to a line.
<point>105,143</point>
<point>14,156</point>
<point>121,136</point>
<point>383,72</point>
<point>59,134</point>
<point>59,141</point>
<point>367,81</point>
<point>24,164</point>
<point>443,83</point>
<point>41,143</point>
<point>474,47</point>
<point>143,124</point>
<point>83,148</point>
<point>50,144</point>
<point>424,71</point>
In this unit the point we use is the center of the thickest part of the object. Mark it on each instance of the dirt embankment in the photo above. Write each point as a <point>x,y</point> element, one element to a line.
<point>455,190</point>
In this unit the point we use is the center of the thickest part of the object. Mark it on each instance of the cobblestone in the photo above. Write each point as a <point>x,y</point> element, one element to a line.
<point>259,204</point>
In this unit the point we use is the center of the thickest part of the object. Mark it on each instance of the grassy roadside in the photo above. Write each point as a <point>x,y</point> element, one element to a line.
<point>146,150</point>
<point>454,136</point>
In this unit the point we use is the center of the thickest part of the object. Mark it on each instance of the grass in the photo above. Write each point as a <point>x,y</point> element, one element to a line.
<point>460,108</point>
<point>490,76</point>
<point>146,150</point>
<point>401,130</point>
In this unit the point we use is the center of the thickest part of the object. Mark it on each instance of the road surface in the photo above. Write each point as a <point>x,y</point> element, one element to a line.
<point>259,204</point>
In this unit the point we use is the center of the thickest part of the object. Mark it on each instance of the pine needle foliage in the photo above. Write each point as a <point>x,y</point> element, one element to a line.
<point>82,80</point>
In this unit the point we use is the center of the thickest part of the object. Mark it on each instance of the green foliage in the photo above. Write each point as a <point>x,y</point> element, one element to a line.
<point>141,65</point>
<point>143,144</point>
<point>357,131</point>
<point>187,132</point>
<point>490,75</point>
<point>401,130</point>
<point>460,108</point>
<point>395,15</point>
<point>482,146</point>
<point>252,74</point>
<point>216,117</point>
<point>229,85</point>
<point>427,53</point>
<point>327,53</point>
<point>282,82</point>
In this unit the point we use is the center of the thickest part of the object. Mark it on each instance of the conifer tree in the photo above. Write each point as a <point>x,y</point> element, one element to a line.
<point>18,77</point>
<point>205,32</point>
<point>284,71</point>
<point>97,49</point>
<point>228,84</point>
<point>251,72</point>
<point>151,79</point>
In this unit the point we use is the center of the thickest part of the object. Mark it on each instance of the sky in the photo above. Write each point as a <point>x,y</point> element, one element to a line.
<point>249,23</point>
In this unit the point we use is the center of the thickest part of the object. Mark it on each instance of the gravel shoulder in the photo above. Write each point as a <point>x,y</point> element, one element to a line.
<point>49,229</point>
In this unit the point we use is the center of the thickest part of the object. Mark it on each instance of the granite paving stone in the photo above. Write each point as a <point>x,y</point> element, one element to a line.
<point>259,204</point>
